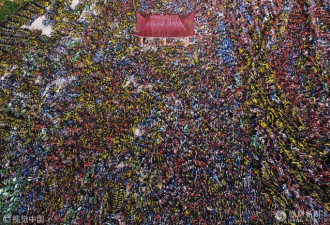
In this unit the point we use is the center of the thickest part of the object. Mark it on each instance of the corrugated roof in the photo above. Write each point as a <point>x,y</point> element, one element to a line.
<point>165,25</point>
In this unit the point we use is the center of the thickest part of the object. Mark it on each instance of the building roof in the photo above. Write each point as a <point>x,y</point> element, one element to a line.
<point>165,25</point>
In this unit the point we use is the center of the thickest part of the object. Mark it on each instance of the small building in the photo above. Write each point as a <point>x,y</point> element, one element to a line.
<point>165,26</point>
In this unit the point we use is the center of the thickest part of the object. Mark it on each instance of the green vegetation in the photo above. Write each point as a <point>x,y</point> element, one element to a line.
<point>8,8</point>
